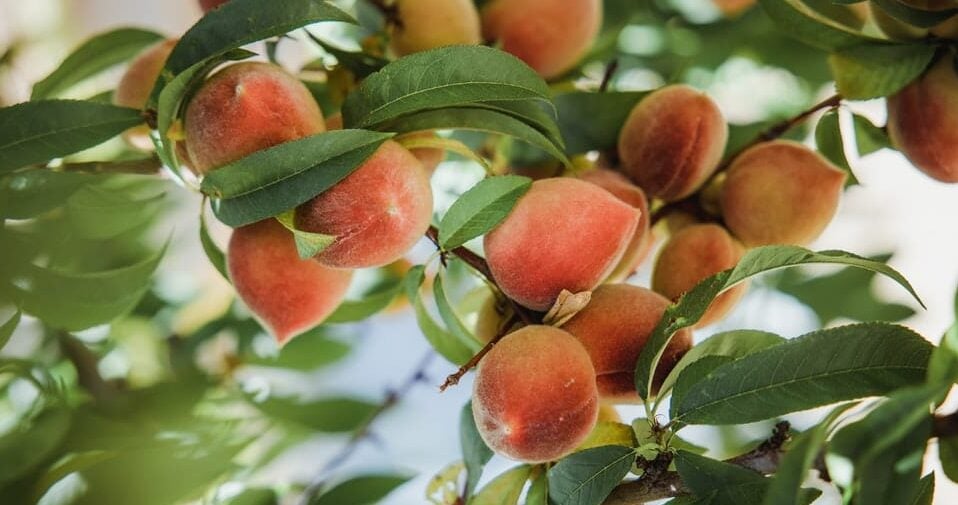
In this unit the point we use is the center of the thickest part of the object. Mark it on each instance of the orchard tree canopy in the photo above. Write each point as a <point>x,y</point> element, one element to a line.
<point>545,186</point>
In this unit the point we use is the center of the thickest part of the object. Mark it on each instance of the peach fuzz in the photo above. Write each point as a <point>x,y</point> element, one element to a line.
<point>923,121</point>
<point>563,233</point>
<point>551,36</point>
<point>641,243</point>
<point>429,24</point>
<point>136,85</point>
<point>689,257</point>
<point>288,294</point>
<point>780,192</point>
<point>377,213</point>
<point>614,328</point>
<point>535,397</point>
<point>244,108</point>
<point>672,141</point>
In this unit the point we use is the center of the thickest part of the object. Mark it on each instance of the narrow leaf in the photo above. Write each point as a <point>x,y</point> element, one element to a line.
<point>505,489</point>
<point>869,137</point>
<point>308,245</point>
<point>876,70</point>
<point>828,139</point>
<point>589,476</point>
<point>475,452</point>
<point>365,490</point>
<point>214,254</point>
<point>481,209</point>
<point>6,329</point>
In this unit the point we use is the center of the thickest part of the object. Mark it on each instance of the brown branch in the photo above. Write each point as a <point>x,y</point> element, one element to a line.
<point>84,361</point>
<point>610,71</point>
<point>945,426</point>
<point>364,430</point>
<point>148,166</point>
<point>454,378</point>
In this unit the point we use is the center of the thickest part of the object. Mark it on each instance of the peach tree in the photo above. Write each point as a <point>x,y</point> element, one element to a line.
<point>323,175</point>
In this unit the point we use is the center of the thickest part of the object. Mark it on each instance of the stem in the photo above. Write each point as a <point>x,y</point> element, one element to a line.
<point>148,166</point>
<point>454,378</point>
<point>610,71</point>
<point>88,376</point>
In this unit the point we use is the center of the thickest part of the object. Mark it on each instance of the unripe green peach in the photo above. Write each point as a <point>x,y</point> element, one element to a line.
<point>641,243</point>
<point>672,142</point>
<point>288,294</point>
<point>689,257</point>
<point>377,213</point>
<point>136,85</point>
<point>535,396</point>
<point>780,192</point>
<point>428,24</point>
<point>563,234</point>
<point>923,121</point>
<point>551,36</point>
<point>614,328</point>
<point>244,108</point>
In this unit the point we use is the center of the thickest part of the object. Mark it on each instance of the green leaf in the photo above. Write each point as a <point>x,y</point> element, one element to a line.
<point>703,475</point>
<point>115,205</point>
<point>475,452</point>
<point>733,344</point>
<point>925,493</point>
<point>327,415</point>
<point>589,476</point>
<point>37,132</point>
<point>6,329</point>
<point>592,121</point>
<point>255,496</point>
<point>693,304</point>
<point>29,444</point>
<point>214,254</point>
<point>693,374</point>
<point>913,15</point>
<point>445,343</point>
<point>365,490</point>
<point>539,490</point>
<point>241,22</point>
<point>309,351</point>
<point>308,245</point>
<point>272,181</point>
<point>453,76</point>
<point>875,70</point>
<point>481,209</point>
<point>828,138</point>
<point>371,303</point>
<point>32,192</point>
<point>94,56</point>
<point>450,319</point>
<point>816,369</point>
<point>504,489</point>
<point>869,137</point>
<point>948,456</point>
<point>800,21</point>
<point>360,64</point>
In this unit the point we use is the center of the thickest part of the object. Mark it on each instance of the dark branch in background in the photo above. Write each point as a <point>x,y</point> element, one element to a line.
<point>610,71</point>
<point>147,166</point>
<point>771,133</point>
<point>364,430</point>
<point>388,10</point>
<point>88,376</point>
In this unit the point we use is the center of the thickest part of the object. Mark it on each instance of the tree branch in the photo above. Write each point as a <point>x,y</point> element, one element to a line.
<point>88,376</point>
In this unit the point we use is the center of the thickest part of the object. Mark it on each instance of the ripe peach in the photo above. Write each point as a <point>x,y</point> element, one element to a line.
<point>535,397</point>
<point>641,242</point>
<point>732,8</point>
<point>780,192</point>
<point>244,108</point>
<point>551,36</point>
<point>672,142</point>
<point>614,327</point>
<point>136,85</point>
<point>691,255</point>
<point>377,213</point>
<point>923,121</point>
<point>288,294</point>
<point>428,24</point>
<point>563,233</point>
<point>208,5</point>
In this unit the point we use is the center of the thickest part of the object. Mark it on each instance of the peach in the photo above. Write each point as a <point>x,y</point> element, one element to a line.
<point>641,243</point>
<point>733,8</point>
<point>923,121</point>
<point>551,36</point>
<point>780,192</point>
<point>428,156</point>
<point>288,294</point>
<point>535,396</point>
<point>672,141</point>
<point>689,257</point>
<point>563,233</point>
<point>208,5</point>
<point>614,327</point>
<point>244,108</point>
<point>427,24</point>
<point>377,213</point>
<point>136,85</point>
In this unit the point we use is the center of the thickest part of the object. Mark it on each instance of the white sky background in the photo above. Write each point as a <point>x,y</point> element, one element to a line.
<point>895,209</point>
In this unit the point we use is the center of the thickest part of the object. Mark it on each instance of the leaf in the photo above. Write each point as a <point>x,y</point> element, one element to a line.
<point>254,496</point>
<point>828,138</point>
<point>94,56</point>
<point>692,375</point>
<point>925,494</point>
<point>29,444</point>
<point>114,205</point>
<point>297,172</point>
<point>733,344</point>
<point>475,452</point>
<point>869,137</point>
<point>373,302</point>
<point>241,22</point>
<point>445,343</point>
<point>690,308</point>
<point>915,16</point>
<point>588,477</point>
<point>948,456</point>
<point>453,76</point>
<point>37,132</point>
<point>816,369</point>
<point>214,254</point>
<point>7,328</point>
<point>309,351</point>
<point>875,70</point>
<point>609,433</point>
<point>365,490</point>
<point>360,64</point>
<point>592,121</point>
<point>481,209</point>
<point>539,490</point>
<point>801,22</point>
<point>32,192</point>
<point>450,319</point>
<point>504,489</point>
<point>703,475</point>
<point>308,244</point>
<point>327,415</point>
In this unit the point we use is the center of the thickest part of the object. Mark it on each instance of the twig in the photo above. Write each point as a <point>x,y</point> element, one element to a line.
<point>610,71</point>
<point>364,430</point>
<point>454,378</point>
<point>88,376</point>
<point>945,426</point>
<point>147,166</point>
